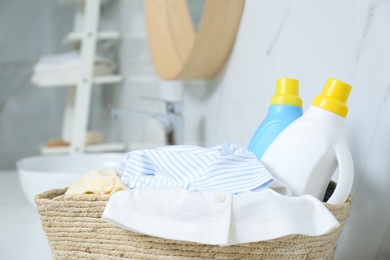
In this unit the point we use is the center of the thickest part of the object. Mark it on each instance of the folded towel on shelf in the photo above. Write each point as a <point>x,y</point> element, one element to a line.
<point>227,167</point>
<point>56,61</point>
<point>66,67</point>
<point>217,218</point>
<point>69,60</point>
<point>97,182</point>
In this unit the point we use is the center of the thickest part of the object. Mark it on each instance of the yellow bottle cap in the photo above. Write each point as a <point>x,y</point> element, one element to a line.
<point>334,97</point>
<point>287,93</point>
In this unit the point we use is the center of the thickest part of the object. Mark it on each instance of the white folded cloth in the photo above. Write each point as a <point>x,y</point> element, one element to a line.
<point>66,75</point>
<point>66,67</point>
<point>69,60</point>
<point>217,218</point>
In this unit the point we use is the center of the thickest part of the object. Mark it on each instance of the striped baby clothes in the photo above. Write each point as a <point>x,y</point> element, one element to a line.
<point>227,167</point>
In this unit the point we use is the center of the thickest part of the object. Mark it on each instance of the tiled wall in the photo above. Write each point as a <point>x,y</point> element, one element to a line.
<point>28,115</point>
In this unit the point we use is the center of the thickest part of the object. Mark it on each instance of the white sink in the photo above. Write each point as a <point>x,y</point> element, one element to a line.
<point>46,172</point>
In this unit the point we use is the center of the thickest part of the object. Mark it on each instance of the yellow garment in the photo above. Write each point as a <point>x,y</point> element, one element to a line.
<point>97,182</point>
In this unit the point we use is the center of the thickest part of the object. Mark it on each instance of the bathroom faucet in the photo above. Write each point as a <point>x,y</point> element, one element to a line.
<point>172,121</point>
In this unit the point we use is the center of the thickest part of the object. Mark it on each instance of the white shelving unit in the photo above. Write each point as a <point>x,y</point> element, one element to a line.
<point>77,109</point>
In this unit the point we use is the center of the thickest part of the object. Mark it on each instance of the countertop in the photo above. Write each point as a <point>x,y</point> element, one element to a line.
<point>22,236</point>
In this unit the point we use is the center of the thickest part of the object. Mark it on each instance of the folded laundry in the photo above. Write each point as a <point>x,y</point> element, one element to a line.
<point>227,167</point>
<point>66,67</point>
<point>68,60</point>
<point>217,218</point>
<point>97,182</point>
<point>58,78</point>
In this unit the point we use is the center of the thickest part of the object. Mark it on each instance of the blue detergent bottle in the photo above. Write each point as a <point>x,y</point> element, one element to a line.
<point>285,107</point>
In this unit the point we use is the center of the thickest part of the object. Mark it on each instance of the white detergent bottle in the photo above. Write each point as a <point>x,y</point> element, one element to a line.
<point>306,154</point>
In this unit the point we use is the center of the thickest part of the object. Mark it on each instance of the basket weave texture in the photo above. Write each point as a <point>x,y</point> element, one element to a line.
<point>75,230</point>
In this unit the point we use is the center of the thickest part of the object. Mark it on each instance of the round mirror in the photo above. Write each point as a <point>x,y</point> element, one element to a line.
<point>179,51</point>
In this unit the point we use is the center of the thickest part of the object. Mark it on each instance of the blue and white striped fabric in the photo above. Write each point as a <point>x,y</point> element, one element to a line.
<point>227,167</point>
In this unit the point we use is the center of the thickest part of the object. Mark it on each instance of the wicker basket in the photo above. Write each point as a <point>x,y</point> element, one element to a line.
<point>75,230</point>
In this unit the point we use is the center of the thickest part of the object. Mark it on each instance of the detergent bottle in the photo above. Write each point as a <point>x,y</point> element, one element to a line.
<point>285,107</point>
<point>306,154</point>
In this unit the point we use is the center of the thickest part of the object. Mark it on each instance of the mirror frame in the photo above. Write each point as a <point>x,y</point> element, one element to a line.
<point>180,53</point>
